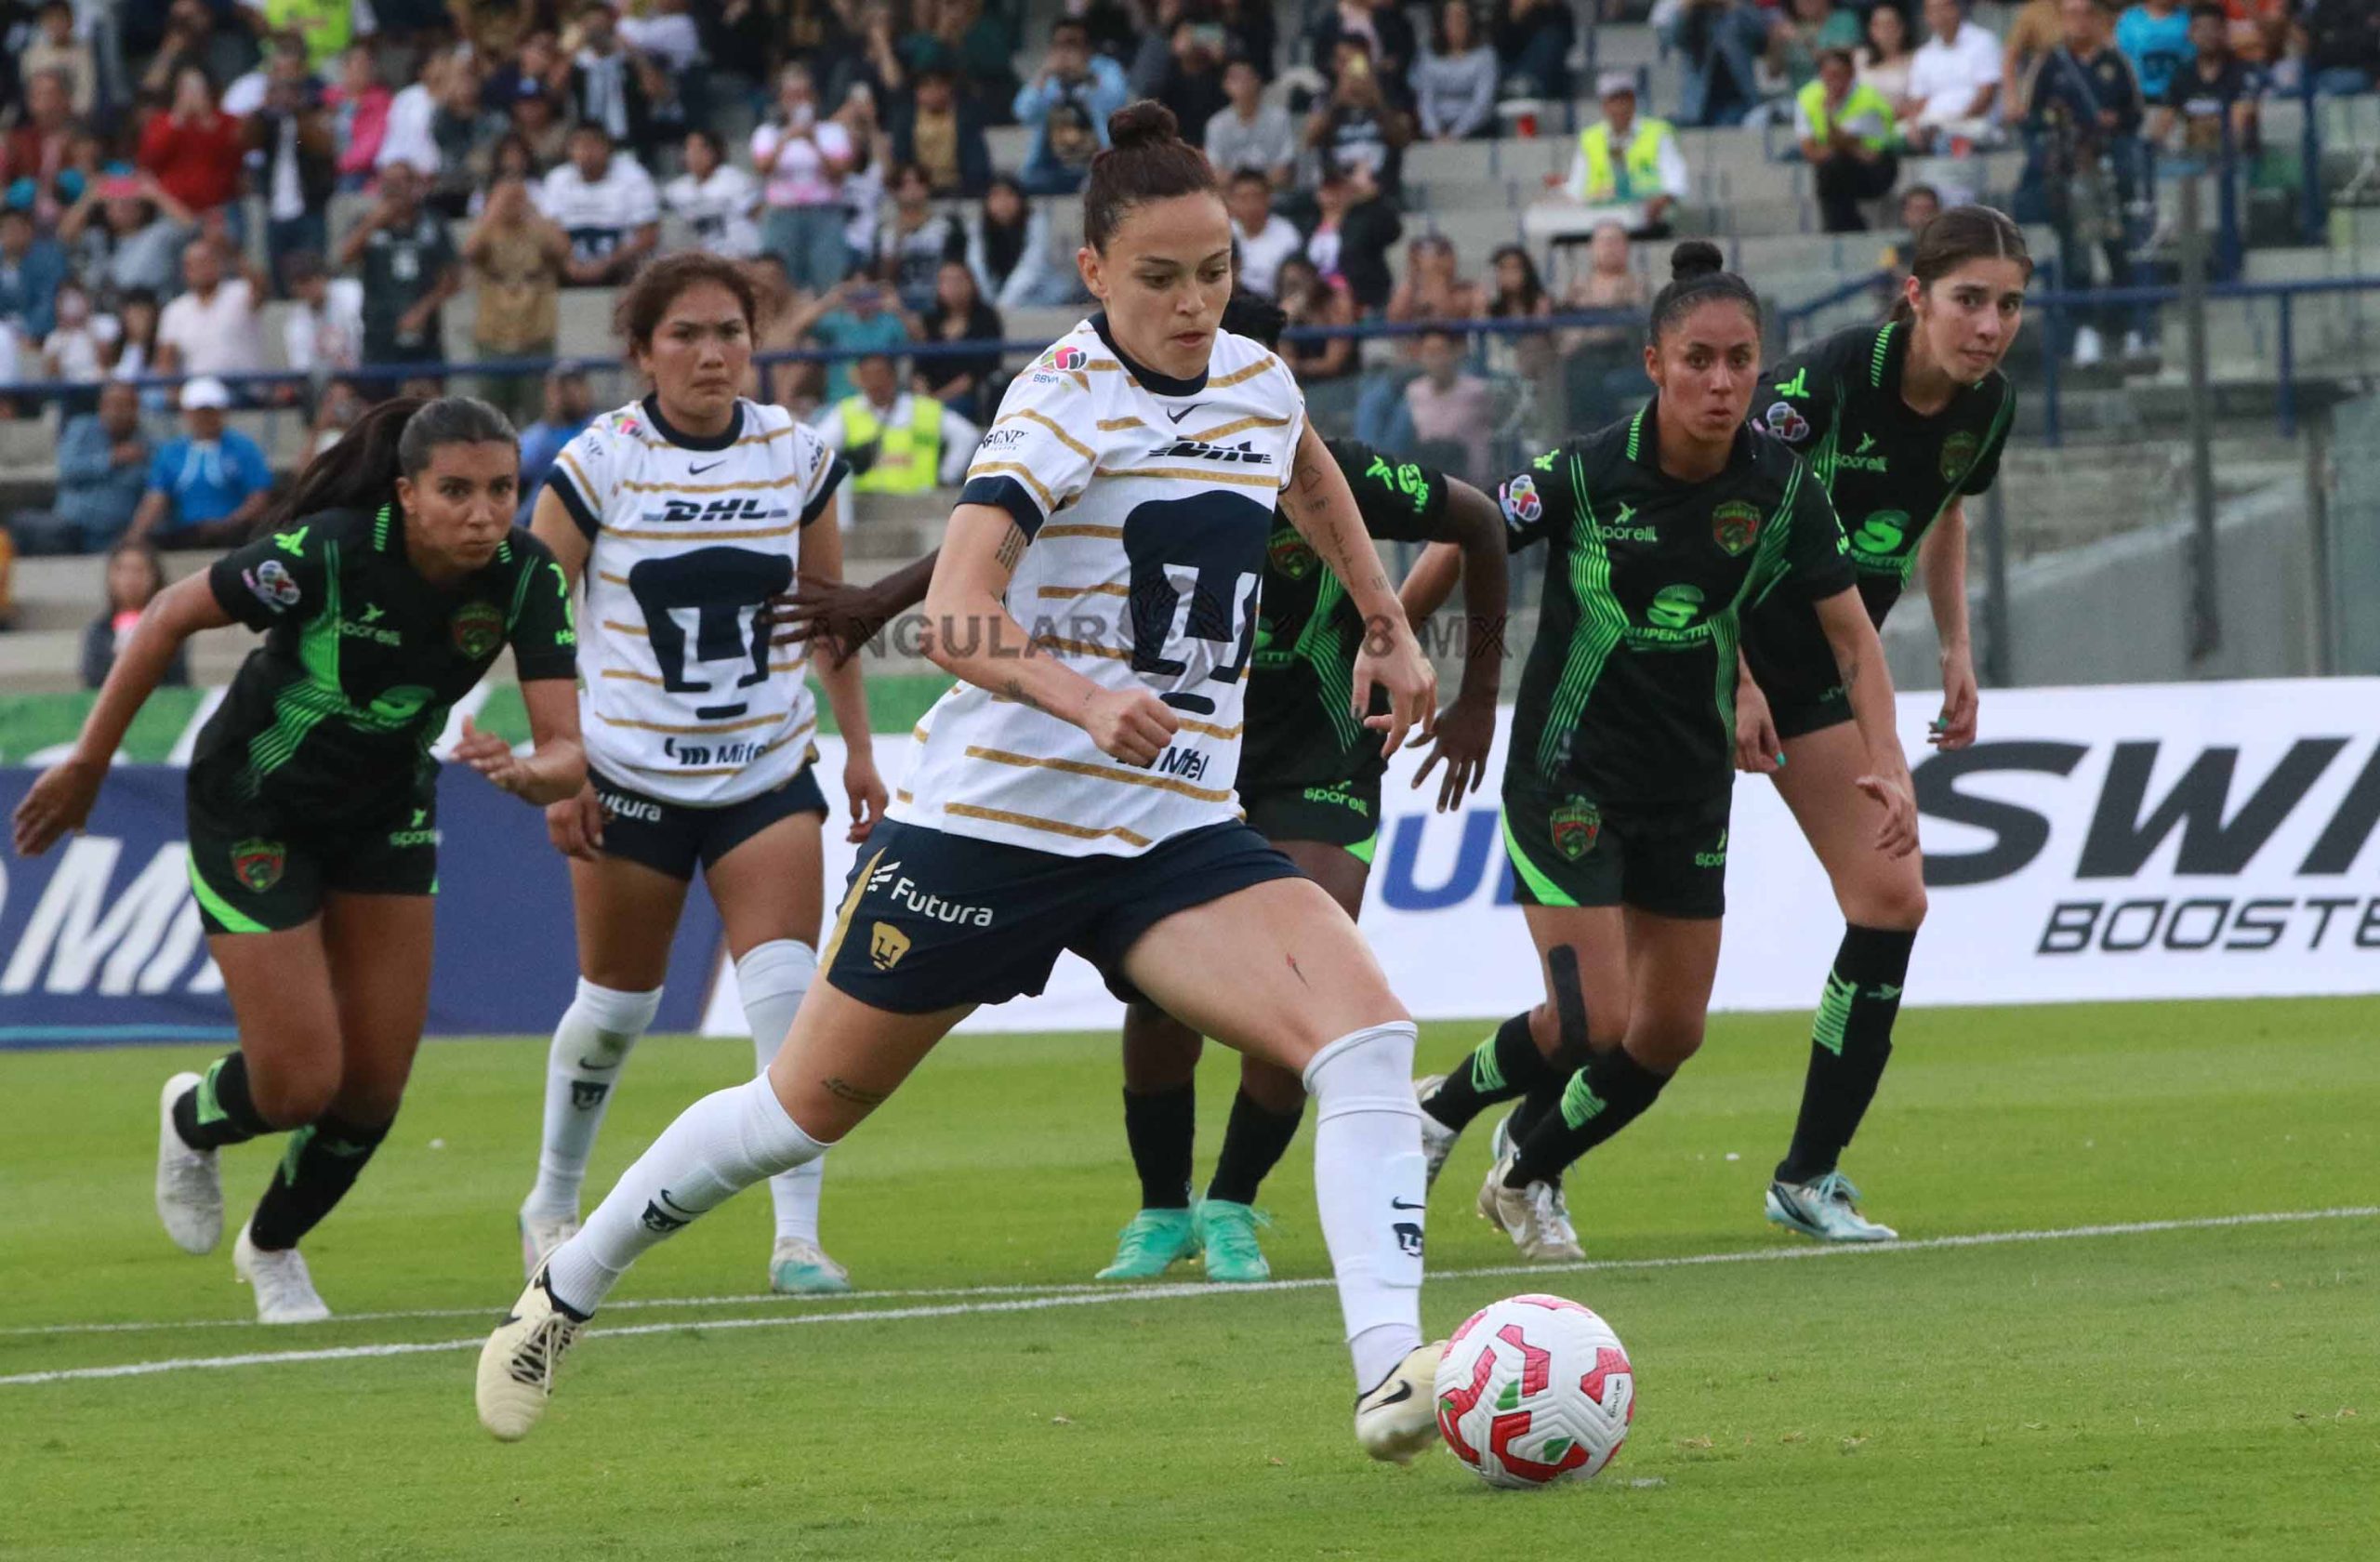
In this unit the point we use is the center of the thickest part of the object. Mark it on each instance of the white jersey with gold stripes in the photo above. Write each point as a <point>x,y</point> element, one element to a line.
<point>682,697</point>
<point>1148,502</point>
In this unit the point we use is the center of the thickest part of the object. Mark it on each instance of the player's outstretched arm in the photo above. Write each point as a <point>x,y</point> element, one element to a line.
<point>970,634</point>
<point>1759,751</point>
<point>840,675</point>
<point>1474,526</point>
<point>1942,555</point>
<point>554,770</point>
<point>1860,657</point>
<point>838,617</point>
<point>61,800</point>
<point>1320,506</point>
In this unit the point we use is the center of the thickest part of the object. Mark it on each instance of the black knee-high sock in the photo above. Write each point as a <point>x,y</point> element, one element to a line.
<point>1160,1127</point>
<point>1850,1042</point>
<point>219,1110</point>
<point>322,1161</point>
<point>1253,1144</point>
<point>1504,1065</point>
<point>1610,1092</point>
<point>1541,1100</point>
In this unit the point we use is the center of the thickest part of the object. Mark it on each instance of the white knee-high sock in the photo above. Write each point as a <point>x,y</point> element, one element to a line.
<point>1368,1186</point>
<point>771,979</point>
<point>591,1044</point>
<point>718,1148</point>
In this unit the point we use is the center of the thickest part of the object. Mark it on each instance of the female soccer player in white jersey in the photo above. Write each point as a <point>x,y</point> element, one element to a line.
<point>685,513</point>
<point>1096,597</point>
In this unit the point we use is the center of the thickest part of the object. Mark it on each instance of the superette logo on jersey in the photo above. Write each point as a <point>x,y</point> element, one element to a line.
<point>1735,526</point>
<point>477,627</point>
<point>272,585</point>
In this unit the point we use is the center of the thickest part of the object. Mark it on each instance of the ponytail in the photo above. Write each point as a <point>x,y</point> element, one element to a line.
<point>394,439</point>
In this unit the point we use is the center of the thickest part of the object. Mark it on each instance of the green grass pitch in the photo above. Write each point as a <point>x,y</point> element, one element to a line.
<point>2192,1390</point>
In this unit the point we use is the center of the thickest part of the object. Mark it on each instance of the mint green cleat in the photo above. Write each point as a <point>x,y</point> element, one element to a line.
<point>800,1268</point>
<point>1228,1232</point>
<point>1152,1243</point>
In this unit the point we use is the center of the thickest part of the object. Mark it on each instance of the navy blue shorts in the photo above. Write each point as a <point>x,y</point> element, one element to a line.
<point>672,837</point>
<point>931,920</point>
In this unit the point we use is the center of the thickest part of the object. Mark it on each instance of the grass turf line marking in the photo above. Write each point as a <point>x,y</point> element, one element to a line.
<point>1078,1296</point>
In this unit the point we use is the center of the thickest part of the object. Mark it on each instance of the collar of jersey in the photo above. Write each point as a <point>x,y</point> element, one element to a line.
<point>685,441</point>
<point>1647,447</point>
<point>1164,385</point>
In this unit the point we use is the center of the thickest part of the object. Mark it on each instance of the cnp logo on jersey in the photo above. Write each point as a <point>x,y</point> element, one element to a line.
<point>1785,420</point>
<point>477,626</point>
<point>1522,505</point>
<point>1735,525</point>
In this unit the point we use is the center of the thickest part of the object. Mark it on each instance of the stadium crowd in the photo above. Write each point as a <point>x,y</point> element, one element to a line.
<point>166,166</point>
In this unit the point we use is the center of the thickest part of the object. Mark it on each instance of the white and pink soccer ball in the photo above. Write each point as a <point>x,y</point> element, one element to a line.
<point>1534,1390</point>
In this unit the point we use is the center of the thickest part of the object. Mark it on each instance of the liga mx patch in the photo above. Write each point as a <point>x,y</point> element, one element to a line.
<point>1066,358</point>
<point>1522,505</point>
<point>1735,525</point>
<point>1574,826</point>
<point>257,865</point>
<point>1785,420</point>
<point>478,627</point>
<point>1958,454</point>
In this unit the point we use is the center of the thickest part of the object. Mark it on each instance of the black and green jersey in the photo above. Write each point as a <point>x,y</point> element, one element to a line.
<point>1301,731</point>
<point>332,717</point>
<point>1890,472</point>
<point>1629,693</point>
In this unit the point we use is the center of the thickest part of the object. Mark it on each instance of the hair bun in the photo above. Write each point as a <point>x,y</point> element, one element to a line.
<point>1696,257</point>
<point>1146,123</point>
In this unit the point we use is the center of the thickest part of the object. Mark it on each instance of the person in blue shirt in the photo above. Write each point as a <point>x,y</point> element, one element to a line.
<point>207,488</point>
<point>570,407</point>
<point>103,465</point>
<point>1067,105</point>
<point>31,270</point>
<point>856,314</point>
<point>2155,35</point>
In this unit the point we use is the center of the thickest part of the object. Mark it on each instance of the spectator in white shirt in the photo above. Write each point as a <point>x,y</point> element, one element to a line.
<point>1952,79</point>
<point>1261,239</point>
<point>79,346</point>
<point>802,157</point>
<point>214,327</point>
<point>408,136</point>
<point>715,199</point>
<point>1251,133</point>
<point>667,34</point>
<point>322,333</point>
<point>607,204</point>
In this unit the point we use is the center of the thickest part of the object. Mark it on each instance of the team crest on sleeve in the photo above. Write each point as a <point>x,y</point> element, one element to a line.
<point>257,863</point>
<point>1522,505</point>
<point>271,584</point>
<point>1574,826</point>
<point>1785,420</point>
<point>1735,526</point>
<point>477,627</point>
<point>1958,454</point>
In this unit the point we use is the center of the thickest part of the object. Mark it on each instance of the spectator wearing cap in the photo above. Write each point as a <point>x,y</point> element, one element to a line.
<point>1629,163</point>
<point>206,488</point>
<point>1067,105</point>
<point>56,48</point>
<point>215,327</point>
<point>322,333</point>
<point>715,199</point>
<point>606,204</point>
<point>537,124</point>
<point>517,258</point>
<point>103,465</point>
<point>409,273</point>
<point>1844,129</point>
<point>802,157</point>
<point>896,441</point>
<point>597,74</point>
<point>126,233</point>
<point>1250,132</point>
<point>1533,39</point>
<point>193,147</point>
<point>359,107</point>
<point>1454,82</point>
<point>942,133</point>
<point>569,408</point>
<point>291,134</point>
<point>1953,80</point>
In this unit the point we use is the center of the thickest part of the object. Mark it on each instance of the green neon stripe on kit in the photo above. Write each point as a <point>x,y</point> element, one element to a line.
<point>1321,648</point>
<point>1362,849</point>
<point>1546,891</point>
<point>1835,1013</point>
<point>296,1147</point>
<point>209,1109</point>
<point>1602,624</point>
<point>1579,1102</point>
<point>1877,358</point>
<point>1486,1076</point>
<point>300,707</point>
<point>233,920</point>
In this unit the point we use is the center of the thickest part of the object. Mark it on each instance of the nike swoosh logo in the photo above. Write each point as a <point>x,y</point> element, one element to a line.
<point>597,1067</point>
<point>1178,417</point>
<point>1403,1392</point>
<point>698,471</point>
<point>1400,1204</point>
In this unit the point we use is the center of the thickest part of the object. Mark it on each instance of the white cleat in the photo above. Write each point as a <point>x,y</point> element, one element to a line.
<point>800,1267</point>
<point>1533,1216</point>
<point>1438,1139</point>
<point>284,1291</point>
<point>540,1235</point>
<point>1557,1221</point>
<point>190,1185</point>
<point>1398,1416</point>
<point>517,1364</point>
<point>1827,1208</point>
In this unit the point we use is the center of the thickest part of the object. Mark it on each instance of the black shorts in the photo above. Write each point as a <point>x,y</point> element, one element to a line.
<point>931,920</point>
<point>254,872</point>
<point>1346,815</point>
<point>1795,669</point>
<point>1567,850</point>
<point>671,837</point>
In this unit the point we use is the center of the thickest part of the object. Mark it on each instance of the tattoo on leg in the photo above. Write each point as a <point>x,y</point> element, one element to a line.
<point>844,1090</point>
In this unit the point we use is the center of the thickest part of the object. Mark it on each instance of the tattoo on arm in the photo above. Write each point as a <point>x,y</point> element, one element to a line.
<point>843,1090</point>
<point>1015,690</point>
<point>1011,549</point>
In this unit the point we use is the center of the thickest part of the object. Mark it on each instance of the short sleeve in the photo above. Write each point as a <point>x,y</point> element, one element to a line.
<point>276,579</point>
<point>543,627</point>
<point>161,469</point>
<point>1795,404</point>
<point>1028,464</point>
<point>1533,499</point>
<point>1814,559</point>
<point>1400,501</point>
<point>826,471</point>
<point>581,476</point>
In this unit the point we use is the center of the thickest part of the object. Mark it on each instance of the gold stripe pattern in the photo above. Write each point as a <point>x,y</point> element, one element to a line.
<point>1110,425</point>
<point>1208,729</point>
<point>747,535</point>
<point>1101,772</point>
<point>1082,648</point>
<point>690,732</point>
<point>1104,589</point>
<point>1080,529</point>
<point>981,468</point>
<point>1188,474</point>
<point>1052,826</point>
<point>1236,375</point>
<point>632,486</point>
<point>1240,427</point>
<point>1063,438</point>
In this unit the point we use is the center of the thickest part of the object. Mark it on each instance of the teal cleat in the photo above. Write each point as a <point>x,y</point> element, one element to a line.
<point>800,1268</point>
<point>1827,1208</point>
<point>1228,1232</point>
<point>1154,1242</point>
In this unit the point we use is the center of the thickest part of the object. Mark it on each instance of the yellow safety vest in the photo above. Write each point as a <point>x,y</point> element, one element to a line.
<point>1640,165</point>
<point>328,26</point>
<point>908,455</point>
<point>1864,102</point>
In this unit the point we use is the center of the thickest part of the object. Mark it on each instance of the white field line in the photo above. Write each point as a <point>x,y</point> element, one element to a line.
<point>986,1301</point>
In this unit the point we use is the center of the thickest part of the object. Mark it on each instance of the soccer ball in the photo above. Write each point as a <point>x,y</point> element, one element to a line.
<point>1534,1390</point>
